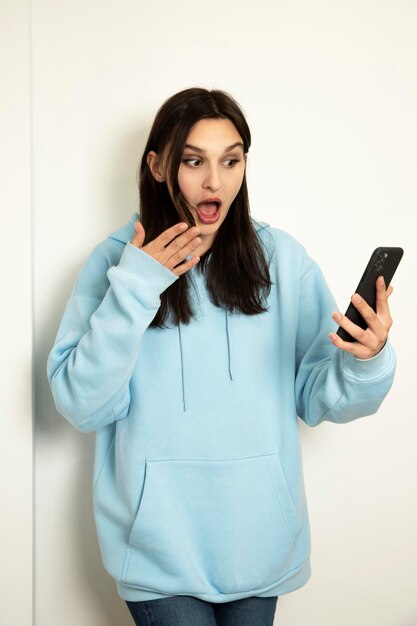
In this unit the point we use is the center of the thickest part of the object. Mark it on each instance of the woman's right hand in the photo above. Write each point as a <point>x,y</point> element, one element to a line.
<point>170,247</point>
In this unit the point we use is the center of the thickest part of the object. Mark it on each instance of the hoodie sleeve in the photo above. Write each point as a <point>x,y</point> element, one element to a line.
<point>99,338</point>
<point>332,384</point>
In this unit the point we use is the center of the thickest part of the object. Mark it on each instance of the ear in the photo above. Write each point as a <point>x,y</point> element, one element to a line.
<point>155,166</point>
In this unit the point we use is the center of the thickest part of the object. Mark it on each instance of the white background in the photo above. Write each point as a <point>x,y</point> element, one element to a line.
<point>329,89</point>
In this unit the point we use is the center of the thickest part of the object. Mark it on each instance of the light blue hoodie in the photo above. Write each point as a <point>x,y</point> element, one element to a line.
<point>198,484</point>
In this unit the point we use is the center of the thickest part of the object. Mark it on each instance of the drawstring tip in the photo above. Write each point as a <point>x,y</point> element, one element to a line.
<point>231,375</point>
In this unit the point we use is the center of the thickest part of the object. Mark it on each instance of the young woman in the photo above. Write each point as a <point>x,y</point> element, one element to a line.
<point>194,338</point>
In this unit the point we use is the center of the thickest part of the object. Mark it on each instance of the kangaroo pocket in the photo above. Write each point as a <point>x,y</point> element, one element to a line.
<point>212,526</point>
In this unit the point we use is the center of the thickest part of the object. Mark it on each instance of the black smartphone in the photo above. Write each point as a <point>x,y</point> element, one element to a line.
<point>383,262</point>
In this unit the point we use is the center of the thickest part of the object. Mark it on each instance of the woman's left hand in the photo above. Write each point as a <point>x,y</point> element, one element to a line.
<point>370,341</point>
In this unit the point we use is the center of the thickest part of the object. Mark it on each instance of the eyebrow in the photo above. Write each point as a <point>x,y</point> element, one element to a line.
<point>196,149</point>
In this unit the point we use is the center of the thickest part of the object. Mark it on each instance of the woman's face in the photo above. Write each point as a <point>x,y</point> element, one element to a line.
<point>212,168</point>
<point>211,174</point>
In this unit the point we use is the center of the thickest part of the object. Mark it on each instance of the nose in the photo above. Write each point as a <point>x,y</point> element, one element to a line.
<point>212,180</point>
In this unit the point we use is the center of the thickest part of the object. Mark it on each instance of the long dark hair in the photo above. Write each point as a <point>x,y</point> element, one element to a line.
<point>236,268</point>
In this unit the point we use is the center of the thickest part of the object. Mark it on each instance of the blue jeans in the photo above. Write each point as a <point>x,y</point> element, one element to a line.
<point>190,611</point>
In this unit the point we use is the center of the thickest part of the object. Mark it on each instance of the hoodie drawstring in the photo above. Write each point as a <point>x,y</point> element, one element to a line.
<point>229,358</point>
<point>229,349</point>
<point>182,368</point>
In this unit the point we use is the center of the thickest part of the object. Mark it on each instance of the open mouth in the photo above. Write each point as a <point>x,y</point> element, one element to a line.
<point>208,212</point>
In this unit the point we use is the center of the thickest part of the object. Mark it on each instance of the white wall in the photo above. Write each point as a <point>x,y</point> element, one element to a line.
<point>16,447</point>
<point>330,93</point>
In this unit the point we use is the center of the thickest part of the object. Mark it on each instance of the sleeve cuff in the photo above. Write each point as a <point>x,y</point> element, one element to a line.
<point>136,261</point>
<point>368,369</point>
<point>142,275</point>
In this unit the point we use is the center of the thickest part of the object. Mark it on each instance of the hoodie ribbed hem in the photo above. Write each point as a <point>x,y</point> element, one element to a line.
<point>290,582</point>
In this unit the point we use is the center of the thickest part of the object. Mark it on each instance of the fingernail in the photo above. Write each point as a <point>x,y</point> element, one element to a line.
<point>337,316</point>
<point>356,298</point>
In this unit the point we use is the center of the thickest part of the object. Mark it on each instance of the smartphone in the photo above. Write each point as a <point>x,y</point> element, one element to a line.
<point>383,262</point>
